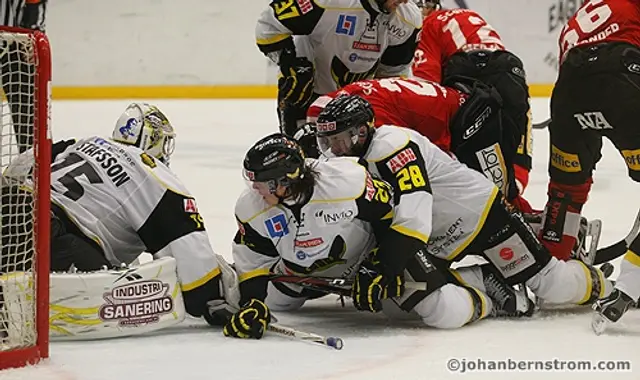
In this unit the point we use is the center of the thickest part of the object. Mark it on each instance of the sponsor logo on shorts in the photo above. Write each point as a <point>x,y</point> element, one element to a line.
<point>493,165</point>
<point>566,162</point>
<point>592,120</point>
<point>137,303</point>
<point>632,158</point>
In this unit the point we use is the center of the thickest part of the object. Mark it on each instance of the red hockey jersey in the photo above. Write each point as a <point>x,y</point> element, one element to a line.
<point>423,106</point>
<point>447,32</point>
<point>602,21</point>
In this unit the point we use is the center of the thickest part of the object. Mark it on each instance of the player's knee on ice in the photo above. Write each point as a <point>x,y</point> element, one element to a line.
<point>449,307</point>
<point>569,282</point>
<point>278,301</point>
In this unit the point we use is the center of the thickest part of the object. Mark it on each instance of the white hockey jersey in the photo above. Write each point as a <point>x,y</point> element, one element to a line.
<point>346,40</point>
<point>348,214</point>
<point>128,202</point>
<point>452,200</point>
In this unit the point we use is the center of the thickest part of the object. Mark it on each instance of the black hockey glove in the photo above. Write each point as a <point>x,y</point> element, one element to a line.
<point>306,137</point>
<point>371,287</point>
<point>33,16</point>
<point>295,82</point>
<point>249,322</point>
<point>219,312</point>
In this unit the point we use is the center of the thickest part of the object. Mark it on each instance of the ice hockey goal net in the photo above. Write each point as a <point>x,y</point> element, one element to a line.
<point>25,72</point>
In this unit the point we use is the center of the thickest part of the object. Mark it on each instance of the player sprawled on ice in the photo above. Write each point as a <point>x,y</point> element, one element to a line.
<point>442,114</point>
<point>331,218</point>
<point>322,45</point>
<point>459,43</point>
<point>461,210</point>
<point>112,199</point>
<point>597,94</point>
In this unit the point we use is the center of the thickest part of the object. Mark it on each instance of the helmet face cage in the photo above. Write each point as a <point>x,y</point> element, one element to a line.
<point>146,127</point>
<point>339,144</point>
<point>343,125</point>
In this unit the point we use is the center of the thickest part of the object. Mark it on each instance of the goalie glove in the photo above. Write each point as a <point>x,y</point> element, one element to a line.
<point>371,287</point>
<point>250,321</point>
<point>295,82</point>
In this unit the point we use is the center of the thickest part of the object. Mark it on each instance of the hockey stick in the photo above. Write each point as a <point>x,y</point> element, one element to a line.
<point>340,286</point>
<point>620,248</point>
<point>329,341</point>
<point>541,125</point>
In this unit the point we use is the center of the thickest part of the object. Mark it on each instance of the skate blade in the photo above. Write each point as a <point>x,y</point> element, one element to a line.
<point>591,240</point>
<point>599,323</point>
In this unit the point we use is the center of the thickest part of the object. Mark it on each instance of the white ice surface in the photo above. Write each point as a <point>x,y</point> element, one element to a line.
<point>212,139</point>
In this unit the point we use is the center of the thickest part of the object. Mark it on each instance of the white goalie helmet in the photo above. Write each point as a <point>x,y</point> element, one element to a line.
<point>145,126</point>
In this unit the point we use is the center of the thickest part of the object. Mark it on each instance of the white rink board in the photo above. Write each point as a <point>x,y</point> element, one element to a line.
<point>201,42</point>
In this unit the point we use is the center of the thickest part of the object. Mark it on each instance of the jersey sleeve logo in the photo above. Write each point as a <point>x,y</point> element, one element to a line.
<point>277,226</point>
<point>305,6</point>
<point>401,159</point>
<point>190,206</point>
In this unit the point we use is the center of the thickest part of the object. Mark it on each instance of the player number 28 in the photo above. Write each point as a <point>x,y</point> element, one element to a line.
<point>410,177</point>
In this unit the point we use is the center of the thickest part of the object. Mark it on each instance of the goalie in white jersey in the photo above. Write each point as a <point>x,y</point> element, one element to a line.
<point>322,45</point>
<point>115,198</point>
<point>463,210</point>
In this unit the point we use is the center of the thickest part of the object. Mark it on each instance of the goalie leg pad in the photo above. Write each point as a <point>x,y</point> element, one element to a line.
<point>115,303</point>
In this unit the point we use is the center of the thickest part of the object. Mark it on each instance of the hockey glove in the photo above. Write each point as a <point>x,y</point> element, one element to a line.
<point>219,312</point>
<point>371,287</point>
<point>249,322</point>
<point>295,82</point>
<point>306,137</point>
<point>33,15</point>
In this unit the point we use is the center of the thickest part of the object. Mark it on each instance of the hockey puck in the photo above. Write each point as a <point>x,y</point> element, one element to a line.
<point>334,342</point>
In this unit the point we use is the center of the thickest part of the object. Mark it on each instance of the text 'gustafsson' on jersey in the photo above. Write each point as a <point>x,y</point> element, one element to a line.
<point>113,168</point>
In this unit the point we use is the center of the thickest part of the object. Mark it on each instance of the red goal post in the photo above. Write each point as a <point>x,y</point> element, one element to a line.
<point>25,76</point>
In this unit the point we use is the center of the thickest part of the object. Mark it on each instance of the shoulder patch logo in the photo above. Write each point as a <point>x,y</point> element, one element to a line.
<point>402,158</point>
<point>190,206</point>
<point>148,160</point>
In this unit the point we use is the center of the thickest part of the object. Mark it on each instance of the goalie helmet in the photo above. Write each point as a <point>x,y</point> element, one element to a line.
<point>145,126</point>
<point>275,160</point>
<point>344,126</point>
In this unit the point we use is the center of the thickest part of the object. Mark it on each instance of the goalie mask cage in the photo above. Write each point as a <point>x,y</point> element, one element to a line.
<point>25,73</point>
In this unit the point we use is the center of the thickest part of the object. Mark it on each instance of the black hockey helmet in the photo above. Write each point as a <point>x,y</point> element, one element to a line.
<point>275,159</point>
<point>343,126</point>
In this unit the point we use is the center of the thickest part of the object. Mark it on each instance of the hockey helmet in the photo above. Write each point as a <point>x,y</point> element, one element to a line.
<point>146,127</point>
<point>344,125</point>
<point>433,4</point>
<point>274,160</point>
